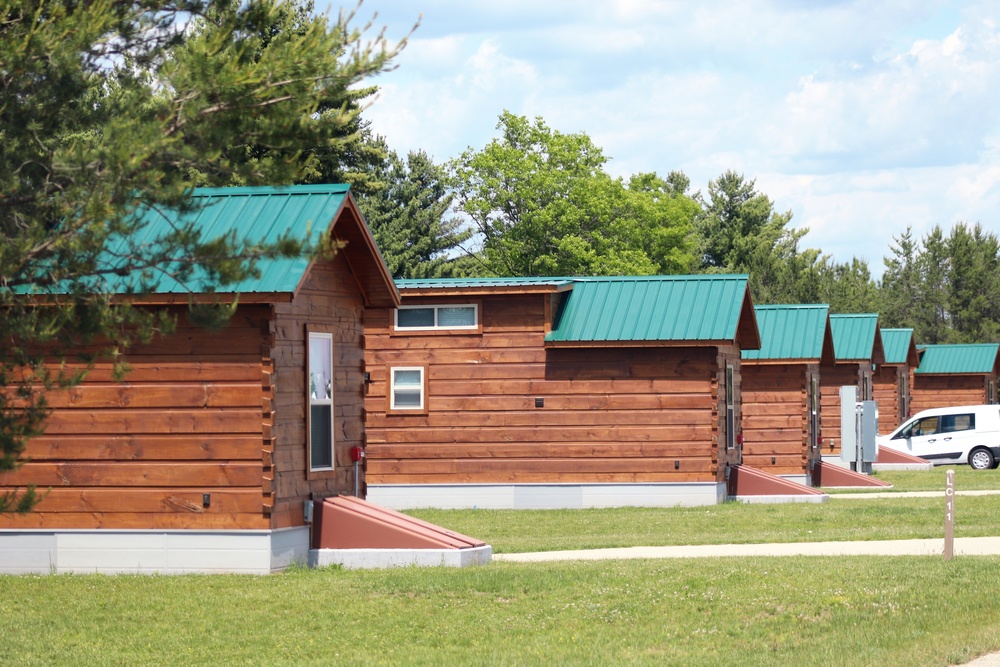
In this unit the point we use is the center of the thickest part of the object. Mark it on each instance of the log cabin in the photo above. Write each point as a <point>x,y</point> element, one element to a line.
<point>781,389</point>
<point>204,456</point>
<point>891,382</point>
<point>556,392</point>
<point>857,347</point>
<point>955,375</point>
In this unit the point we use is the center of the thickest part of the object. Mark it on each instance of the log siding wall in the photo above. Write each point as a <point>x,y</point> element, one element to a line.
<point>328,301</point>
<point>606,414</point>
<point>776,421</point>
<point>885,383</point>
<point>831,380</point>
<point>186,420</point>
<point>200,412</point>
<point>942,391</point>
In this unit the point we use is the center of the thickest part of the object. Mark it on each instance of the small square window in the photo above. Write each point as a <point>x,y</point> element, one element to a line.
<point>407,390</point>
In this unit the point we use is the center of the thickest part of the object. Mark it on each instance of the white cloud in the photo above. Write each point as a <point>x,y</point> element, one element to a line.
<point>860,118</point>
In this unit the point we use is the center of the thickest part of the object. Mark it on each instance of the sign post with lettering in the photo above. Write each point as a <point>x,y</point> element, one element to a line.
<point>949,515</point>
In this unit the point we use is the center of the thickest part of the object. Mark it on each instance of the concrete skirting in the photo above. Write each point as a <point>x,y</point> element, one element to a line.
<point>903,466</point>
<point>804,480</point>
<point>151,551</point>
<point>356,559</point>
<point>773,500</point>
<point>544,496</point>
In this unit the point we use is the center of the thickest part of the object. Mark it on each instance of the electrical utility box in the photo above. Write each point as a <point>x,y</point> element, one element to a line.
<point>858,430</point>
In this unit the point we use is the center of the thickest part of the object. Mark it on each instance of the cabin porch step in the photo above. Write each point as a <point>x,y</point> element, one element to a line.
<point>748,484</point>
<point>831,475</point>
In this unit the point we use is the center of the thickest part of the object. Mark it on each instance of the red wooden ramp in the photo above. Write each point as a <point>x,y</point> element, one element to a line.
<point>345,522</point>
<point>886,455</point>
<point>746,483</point>
<point>832,475</point>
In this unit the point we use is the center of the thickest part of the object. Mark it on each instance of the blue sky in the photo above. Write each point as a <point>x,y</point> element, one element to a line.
<point>859,117</point>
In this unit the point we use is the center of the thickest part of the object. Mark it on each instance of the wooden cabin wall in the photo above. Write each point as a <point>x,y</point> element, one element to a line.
<point>885,382</point>
<point>832,378</point>
<point>942,391</point>
<point>776,417</point>
<point>606,414</point>
<point>329,300</point>
<point>140,452</point>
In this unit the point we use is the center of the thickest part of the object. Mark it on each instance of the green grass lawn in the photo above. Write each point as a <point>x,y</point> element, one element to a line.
<point>511,531</point>
<point>966,479</point>
<point>865,611</point>
<point>752,611</point>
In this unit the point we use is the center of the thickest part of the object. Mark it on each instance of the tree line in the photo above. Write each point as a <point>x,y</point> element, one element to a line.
<point>538,202</point>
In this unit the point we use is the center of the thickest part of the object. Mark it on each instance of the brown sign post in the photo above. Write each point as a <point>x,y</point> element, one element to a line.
<point>949,515</point>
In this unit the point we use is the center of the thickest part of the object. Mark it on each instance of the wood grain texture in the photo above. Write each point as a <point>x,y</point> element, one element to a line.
<point>941,391</point>
<point>504,408</point>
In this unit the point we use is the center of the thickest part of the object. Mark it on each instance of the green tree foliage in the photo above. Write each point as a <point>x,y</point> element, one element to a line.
<point>108,107</point>
<point>946,287</point>
<point>408,214</point>
<point>973,284</point>
<point>900,285</point>
<point>740,232</point>
<point>848,287</point>
<point>930,323</point>
<point>341,154</point>
<point>542,204</point>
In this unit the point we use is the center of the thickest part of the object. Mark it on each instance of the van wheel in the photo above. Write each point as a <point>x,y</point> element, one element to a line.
<point>981,459</point>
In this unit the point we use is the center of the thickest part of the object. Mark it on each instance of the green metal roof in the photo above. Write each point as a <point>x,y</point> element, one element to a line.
<point>968,359</point>
<point>257,214</point>
<point>897,344</point>
<point>790,331</point>
<point>652,308</point>
<point>854,336</point>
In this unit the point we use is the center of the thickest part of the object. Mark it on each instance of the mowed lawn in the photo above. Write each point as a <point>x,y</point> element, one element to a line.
<point>752,611</point>
<point>838,519</point>
<point>714,611</point>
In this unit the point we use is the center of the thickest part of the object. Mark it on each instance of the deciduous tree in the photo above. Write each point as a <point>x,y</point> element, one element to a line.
<point>542,204</point>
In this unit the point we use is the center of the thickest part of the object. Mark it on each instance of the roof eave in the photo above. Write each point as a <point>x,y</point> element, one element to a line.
<point>637,343</point>
<point>485,290</point>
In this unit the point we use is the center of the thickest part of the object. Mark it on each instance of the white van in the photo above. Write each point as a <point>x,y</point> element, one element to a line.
<point>964,434</point>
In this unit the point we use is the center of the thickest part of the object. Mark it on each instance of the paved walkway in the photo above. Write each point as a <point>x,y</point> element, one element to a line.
<point>964,546</point>
<point>909,494</point>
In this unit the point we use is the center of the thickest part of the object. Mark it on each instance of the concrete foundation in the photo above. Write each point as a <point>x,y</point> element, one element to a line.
<point>355,559</point>
<point>544,496</point>
<point>152,551</point>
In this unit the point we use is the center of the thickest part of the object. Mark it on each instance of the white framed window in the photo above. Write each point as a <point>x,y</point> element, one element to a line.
<point>407,390</point>
<point>319,387</point>
<point>445,316</point>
